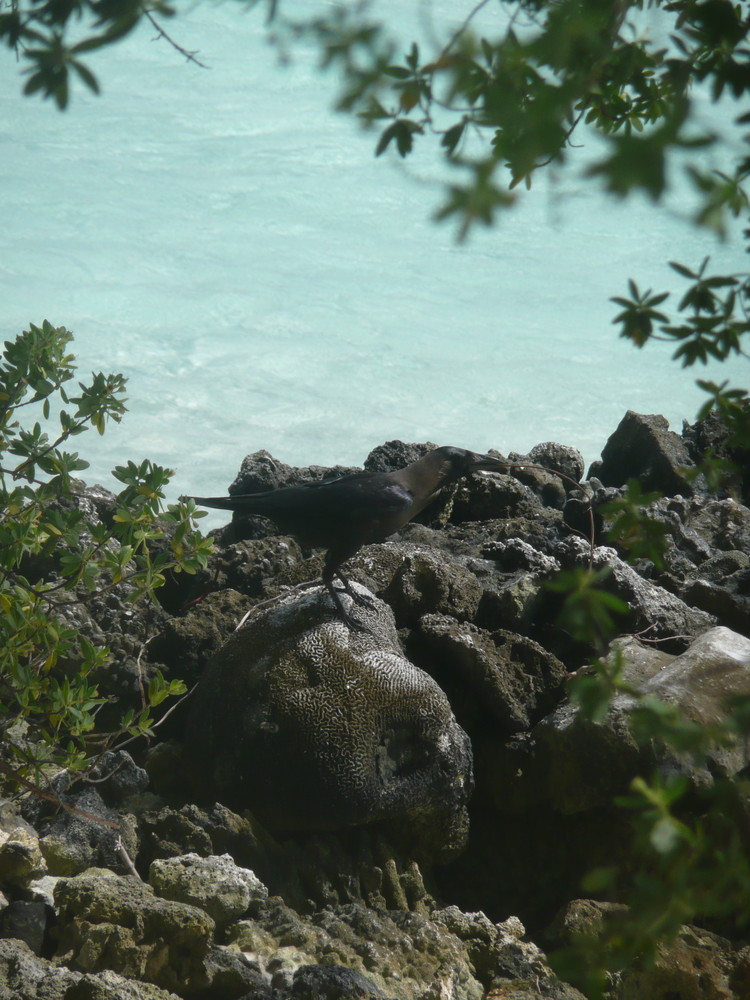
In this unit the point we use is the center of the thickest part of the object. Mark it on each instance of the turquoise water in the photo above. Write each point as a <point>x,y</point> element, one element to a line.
<point>232,245</point>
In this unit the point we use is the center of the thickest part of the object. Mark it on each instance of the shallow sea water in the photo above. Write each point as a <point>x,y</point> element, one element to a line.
<point>231,244</point>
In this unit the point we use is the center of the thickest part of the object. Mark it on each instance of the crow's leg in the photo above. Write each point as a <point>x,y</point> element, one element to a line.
<point>330,570</point>
<point>361,599</point>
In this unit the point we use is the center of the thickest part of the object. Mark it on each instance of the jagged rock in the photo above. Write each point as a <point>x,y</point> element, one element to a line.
<point>548,487</point>
<point>500,674</point>
<point>117,777</point>
<point>42,890</point>
<point>12,820</point>
<point>26,921</point>
<point>428,583</point>
<point>21,858</point>
<point>108,985</point>
<point>516,554</point>
<point>697,965</point>
<point>25,976</point>
<point>259,566</point>
<point>215,884</point>
<point>572,765</point>
<point>396,455</point>
<point>169,832</point>
<point>333,982</point>
<point>357,865</point>
<point>188,641</point>
<point>400,956</point>
<point>260,471</point>
<point>72,842</point>
<point>701,682</point>
<point>111,922</point>
<point>712,434</point>
<point>493,497</point>
<point>559,458</point>
<point>508,965</point>
<point>315,726</point>
<point>232,975</point>
<point>375,566</point>
<point>542,811</point>
<point>652,609</point>
<point>644,448</point>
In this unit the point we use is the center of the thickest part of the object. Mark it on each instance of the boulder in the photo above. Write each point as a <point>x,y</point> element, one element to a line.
<point>21,858</point>
<point>644,448</point>
<point>653,610</point>
<point>559,458</point>
<point>215,884</point>
<point>571,764</point>
<point>696,965</point>
<point>24,976</point>
<point>26,921</point>
<point>315,726</point>
<point>117,923</point>
<point>87,834</point>
<point>501,675</point>
<point>426,582</point>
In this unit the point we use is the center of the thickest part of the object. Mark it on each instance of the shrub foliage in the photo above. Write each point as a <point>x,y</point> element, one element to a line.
<point>53,557</point>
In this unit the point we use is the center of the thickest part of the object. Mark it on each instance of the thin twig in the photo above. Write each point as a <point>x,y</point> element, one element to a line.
<point>127,860</point>
<point>190,56</point>
<point>275,600</point>
<point>132,739</point>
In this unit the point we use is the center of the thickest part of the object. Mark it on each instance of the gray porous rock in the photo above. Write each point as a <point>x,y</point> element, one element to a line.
<point>500,674</point>
<point>333,982</point>
<point>560,458</point>
<point>116,922</point>
<point>71,842</point>
<point>396,955</point>
<point>117,777</point>
<point>569,764</point>
<point>215,884</point>
<point>234,976</point>
<point>652,609</point>
<point>547,486</point>
<point>702,681</point>
<point>696,965</point>
<point>27,921</point>
<point>396,455</point>
<point>713,435</point>
<point>260,471</point>
<point>187,641</point>
<point>315,726</point>
<point>108,985</point>
<point>429,582</point>
<point>21,858</point>
<point>323,869</point>
<point>544,797</point>
<point>169,831</point>
<point>259,567</point>
<point>25,976</point>
<point>494,497</point>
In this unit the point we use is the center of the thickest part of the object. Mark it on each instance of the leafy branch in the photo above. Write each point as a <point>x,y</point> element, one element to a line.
<point>54,558</point>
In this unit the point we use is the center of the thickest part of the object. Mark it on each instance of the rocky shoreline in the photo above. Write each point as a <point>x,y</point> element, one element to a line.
<point>398,813</point>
